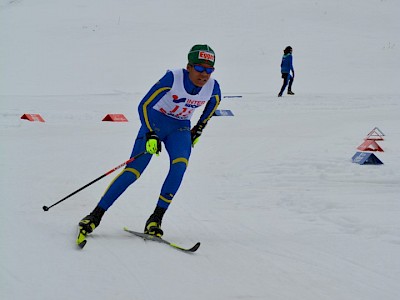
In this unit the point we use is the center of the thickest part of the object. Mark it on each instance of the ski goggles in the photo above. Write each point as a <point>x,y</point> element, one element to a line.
<point>201,69</point>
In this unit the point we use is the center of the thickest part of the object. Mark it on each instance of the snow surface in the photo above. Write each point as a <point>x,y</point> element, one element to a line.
<point>281,211</point>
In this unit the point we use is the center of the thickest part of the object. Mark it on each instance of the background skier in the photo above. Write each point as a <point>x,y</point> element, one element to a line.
<point>286,67</point>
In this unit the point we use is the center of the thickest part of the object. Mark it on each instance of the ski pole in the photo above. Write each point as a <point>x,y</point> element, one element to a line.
<point>46,208</point>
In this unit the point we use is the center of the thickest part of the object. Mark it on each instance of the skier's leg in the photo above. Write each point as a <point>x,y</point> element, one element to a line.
<point>178,145</point>
<point>291,79</point>
<point>129,175</point>
<point>285,82</point>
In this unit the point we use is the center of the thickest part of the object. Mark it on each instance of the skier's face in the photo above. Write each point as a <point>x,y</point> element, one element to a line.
<point>199,78</point>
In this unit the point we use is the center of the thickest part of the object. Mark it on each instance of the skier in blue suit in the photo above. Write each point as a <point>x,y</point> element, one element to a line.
<point>286,67</point>
<point>165,114</point>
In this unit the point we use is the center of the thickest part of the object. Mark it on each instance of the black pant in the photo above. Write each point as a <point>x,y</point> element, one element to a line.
<point>286,78</point>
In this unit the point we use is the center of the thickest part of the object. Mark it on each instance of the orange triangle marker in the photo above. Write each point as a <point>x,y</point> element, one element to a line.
<point>370,145</point>
<point>115,118</point>
<point>32,117</point>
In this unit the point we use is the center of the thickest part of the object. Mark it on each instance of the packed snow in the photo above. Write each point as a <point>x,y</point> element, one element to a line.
<point>271,193</point>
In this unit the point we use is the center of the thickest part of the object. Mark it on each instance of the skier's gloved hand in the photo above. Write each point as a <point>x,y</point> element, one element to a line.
<point>196,132</point>
<point>153,143</point>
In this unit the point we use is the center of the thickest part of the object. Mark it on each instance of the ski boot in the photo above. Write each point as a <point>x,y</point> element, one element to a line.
<point>290,93</point>
<point>153,224</point>
<point>88,224</point>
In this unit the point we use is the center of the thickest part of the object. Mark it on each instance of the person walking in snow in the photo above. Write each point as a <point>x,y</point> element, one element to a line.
<point>286,67</point>
<point>165,113</point>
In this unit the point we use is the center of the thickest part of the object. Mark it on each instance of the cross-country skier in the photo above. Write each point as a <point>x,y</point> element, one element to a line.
<point>286,67</point>
<point>165,114</point>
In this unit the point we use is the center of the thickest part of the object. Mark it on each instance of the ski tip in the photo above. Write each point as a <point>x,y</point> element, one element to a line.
<point>187,250</point>
<point>195,247</point>
<point>82,244</point>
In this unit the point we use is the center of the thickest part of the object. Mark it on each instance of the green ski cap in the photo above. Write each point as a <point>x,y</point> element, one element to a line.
<point>201,54</point>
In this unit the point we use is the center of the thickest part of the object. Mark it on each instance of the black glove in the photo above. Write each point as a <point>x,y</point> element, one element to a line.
<point>196,132</point>
<point>153,143</point>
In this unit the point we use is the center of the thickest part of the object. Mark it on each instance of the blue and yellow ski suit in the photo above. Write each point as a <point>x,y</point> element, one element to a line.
<point>172,129</point>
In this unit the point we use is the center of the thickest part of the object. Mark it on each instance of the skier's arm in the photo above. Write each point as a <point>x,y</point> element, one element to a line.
<point>156,93</point>
<point>208,112</point>
<point>211,105</point>
<point>291,64</point>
